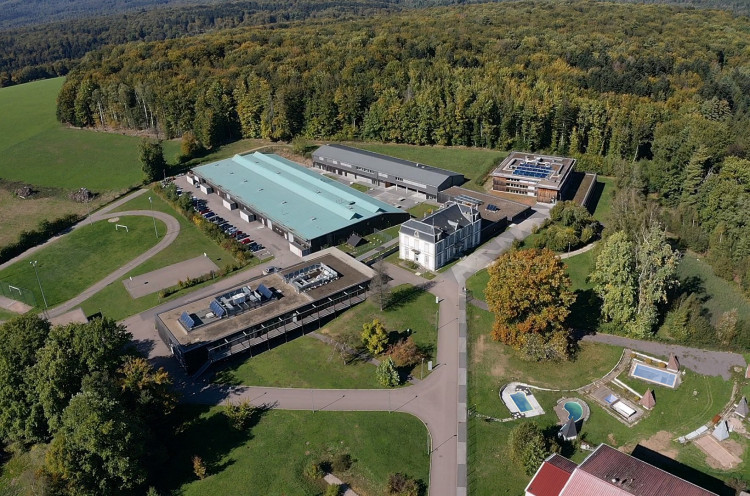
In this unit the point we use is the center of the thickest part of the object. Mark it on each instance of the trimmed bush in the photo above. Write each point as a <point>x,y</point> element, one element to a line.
<point>341,462</point>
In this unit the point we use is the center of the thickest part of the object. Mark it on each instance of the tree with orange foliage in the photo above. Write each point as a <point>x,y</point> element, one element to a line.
<point>529,293</point>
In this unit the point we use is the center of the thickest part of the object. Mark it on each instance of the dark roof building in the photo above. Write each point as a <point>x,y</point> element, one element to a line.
<point>265,308</point>
<point>609,472</point>
<point>440,237</point>
<point>543,177</point>
<point>383,170</point>
<point>496,212</point>
<point>569,431</point>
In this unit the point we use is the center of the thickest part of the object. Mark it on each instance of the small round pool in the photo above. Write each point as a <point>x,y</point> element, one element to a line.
<point>574,409</point>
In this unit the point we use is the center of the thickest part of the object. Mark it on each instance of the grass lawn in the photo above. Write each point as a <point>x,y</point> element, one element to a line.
<point>473,163</point>
<point>46,153</point>
<point>372,241</point>
<point>491,365</point>
<point>360,187</point>
<point>304,362</point>
<point>114,301</point>
<point>410,265</point>
<point>78,260</point>
<point>271,456</point>
<point>604,205</point>
<point>419,211</point>
<point>721,295</point>
<point>289,365</point>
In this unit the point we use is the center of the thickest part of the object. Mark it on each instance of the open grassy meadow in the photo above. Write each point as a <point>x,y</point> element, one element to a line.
<point>56,160</point>
<point>77,260</point>
<point>473,163</point>
<point>270,457</point>
<point>46,153</point>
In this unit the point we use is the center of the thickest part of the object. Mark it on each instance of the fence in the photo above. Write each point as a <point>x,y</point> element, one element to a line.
<point>17,293</point>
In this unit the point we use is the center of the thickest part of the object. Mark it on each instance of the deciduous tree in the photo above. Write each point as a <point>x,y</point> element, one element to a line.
<point>614,279</point>
<point>387,374</point>
<point>152,160</point>
<point>374,336</point>
<point>528,448</point>
<point>529,293</point>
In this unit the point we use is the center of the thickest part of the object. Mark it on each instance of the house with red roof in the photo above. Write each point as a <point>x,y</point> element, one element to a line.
<point>607,472</point>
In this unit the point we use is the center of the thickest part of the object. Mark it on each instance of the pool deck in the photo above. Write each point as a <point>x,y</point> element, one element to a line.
<point>635,362</point>
<point>562,413</point>
<point>517,387</point>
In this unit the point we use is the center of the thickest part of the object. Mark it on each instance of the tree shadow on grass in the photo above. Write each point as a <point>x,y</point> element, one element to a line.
<point>584,313</point>
<point>211,438</point>
<point>403,296</point>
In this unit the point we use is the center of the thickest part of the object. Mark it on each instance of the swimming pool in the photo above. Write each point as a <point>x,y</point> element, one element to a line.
<point>652,374</point>
<point>574,409</point>
<point>521,402</point>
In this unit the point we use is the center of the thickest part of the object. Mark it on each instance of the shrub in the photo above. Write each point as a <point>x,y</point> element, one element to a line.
<point>405,353</point>
<point>374,336</point>
<point>199,467</point>
<point>402,485</point>
<point>387,374</point>
<point>332,490</point>
<point>528,448</point>
<point>313,471</point>
<point>240,414</point>
<point>341,462</point>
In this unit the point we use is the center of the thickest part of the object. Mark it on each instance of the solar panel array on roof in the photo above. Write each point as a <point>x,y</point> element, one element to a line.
<point>187,321</point>
<point>217,309</point>
<point>265,292</point>
<point>492,208</point>
<point>527,169</point>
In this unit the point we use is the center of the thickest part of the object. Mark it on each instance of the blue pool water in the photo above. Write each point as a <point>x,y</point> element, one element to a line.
<point>653,374</point>
<point>574,409</point>
<point>521,402</point>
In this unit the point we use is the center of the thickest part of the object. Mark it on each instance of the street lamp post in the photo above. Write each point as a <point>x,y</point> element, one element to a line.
<point>151,202</point>
<point>36,271</point>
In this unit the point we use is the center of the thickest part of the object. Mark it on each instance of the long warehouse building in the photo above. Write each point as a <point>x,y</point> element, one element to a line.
<point>309,210</point>
<point>382,170</point>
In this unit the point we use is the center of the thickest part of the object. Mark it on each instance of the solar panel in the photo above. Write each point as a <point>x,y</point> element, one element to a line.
<point>187,321</point>
<point>263,290</point>
<point>217,309</point>
<point>492,208</point>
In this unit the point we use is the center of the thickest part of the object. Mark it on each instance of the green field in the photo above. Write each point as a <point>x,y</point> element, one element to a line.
<point>604,205</point>
<point>721,295</point>
<point>474,163</point>
<point>304,362</point>
<point>290,364</point>
<point>45,153</point>
<point>491,365</point>
<point>115,302</point>
<point>271,457</point>
<point>76,261</point>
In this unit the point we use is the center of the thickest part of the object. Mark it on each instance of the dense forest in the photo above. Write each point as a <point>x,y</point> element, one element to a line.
<point>50,50</point>
<point>42,39</point>
<point>660,92</point>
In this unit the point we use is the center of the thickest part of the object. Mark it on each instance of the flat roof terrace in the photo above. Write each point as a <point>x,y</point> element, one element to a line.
<point>350,273</point>
<point>546,170</point>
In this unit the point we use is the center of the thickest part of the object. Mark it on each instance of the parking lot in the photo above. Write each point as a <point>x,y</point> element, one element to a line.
<point>272,244</point>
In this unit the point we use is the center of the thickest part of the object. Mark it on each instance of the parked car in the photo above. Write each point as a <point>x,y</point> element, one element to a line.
<point>209,215</point>
<point>246,241</point>
<point>271,270</point>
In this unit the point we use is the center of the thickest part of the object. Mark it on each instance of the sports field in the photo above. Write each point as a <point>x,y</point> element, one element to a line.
<point>73,263</point>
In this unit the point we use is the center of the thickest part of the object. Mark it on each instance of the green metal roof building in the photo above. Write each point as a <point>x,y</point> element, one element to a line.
<point>310,210</point>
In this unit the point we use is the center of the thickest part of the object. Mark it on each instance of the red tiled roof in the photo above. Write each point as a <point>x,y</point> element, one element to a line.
<point>550,478</point>
<point>631,476</point>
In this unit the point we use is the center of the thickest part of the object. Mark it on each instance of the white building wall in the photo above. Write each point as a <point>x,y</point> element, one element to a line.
<point>432,256</point>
